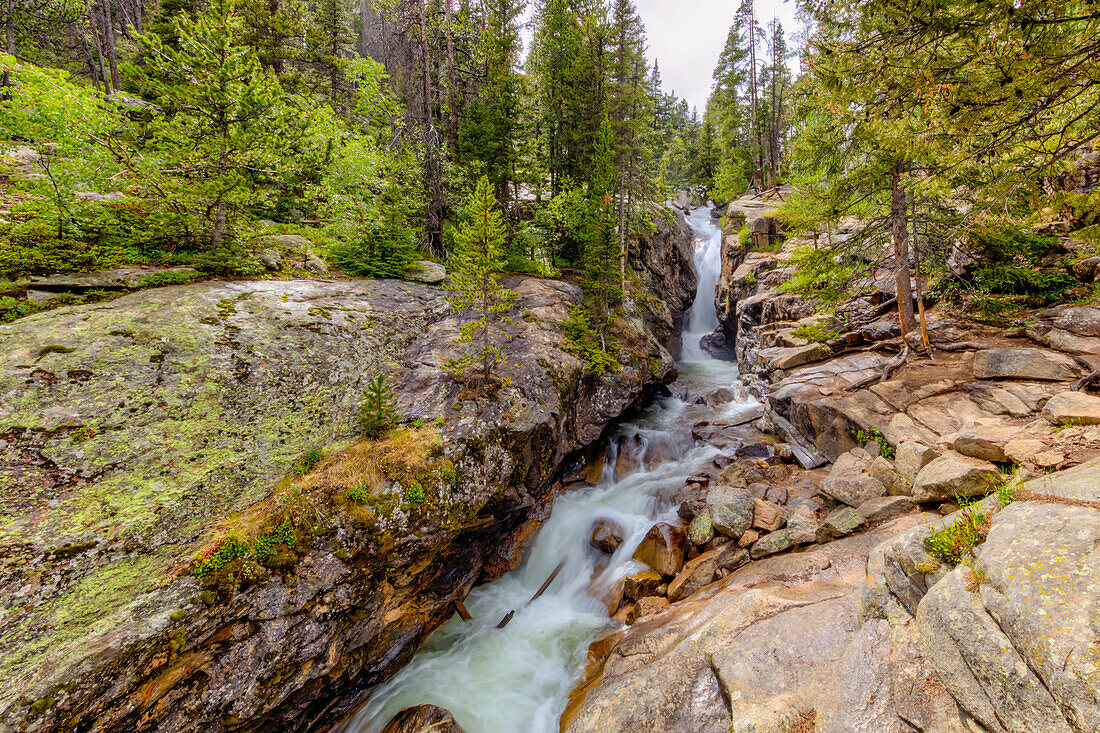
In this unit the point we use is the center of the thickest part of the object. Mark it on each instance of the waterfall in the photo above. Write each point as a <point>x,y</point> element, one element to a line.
<point>518,678</point>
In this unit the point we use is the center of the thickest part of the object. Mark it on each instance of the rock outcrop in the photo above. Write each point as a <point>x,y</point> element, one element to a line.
<point>132,433</point>
<point>664,261</point>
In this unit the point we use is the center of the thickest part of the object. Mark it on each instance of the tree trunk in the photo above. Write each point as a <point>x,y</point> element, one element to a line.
<point>111,47</point>
<point>752,88</point>
<point>9,40</point>
<point>900,230</point>
<point>453,91</point>
<point>431,164</point>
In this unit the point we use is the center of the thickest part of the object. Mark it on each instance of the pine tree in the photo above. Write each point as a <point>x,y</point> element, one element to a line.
<point>601,284</point>
<point>477,261</point>
<point>377,414</point>
<point>330,42</point>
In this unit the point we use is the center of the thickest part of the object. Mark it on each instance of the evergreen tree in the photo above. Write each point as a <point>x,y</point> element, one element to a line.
<point>478,259</point>
<point>377,414</point>
<point>601,283</point>
<point>330,42</point>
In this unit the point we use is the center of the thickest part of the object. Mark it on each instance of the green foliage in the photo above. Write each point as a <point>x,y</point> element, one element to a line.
<point>955,540</point>
<point>160,279</point>
<point>477,262</point>
<point>581,339</point>
<point>815,333</point>
<point>359,494</point>
<point>414,493</point>
<point>377,414</point>
<point>875,435</point>
<point>231,548</point>
<point>822,274</point>
<point>1010,266</point>
<point>309,461</point>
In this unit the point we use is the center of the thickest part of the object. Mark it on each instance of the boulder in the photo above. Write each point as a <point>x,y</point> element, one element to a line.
<point>696,574</point>
<point>270,259</point>
<point>802,525</point>
<point>750,536</point>
<point>1072,408</point>
<point>840,523</point>
<point>767,516</point>
<point>1081,321</point>
<point>911,457</point>
<point>607,535</point>
<point>646,607</point>
<point>701,529</point>
<point>663,549</point>
<point>788,358</point>
<point>423,719</point>
<point>850,482</point>
<point>884,471</point>
<point>641,584</point>
<point>986,442</point>
<point>123,277</point>
<point>1020,450</point>
<point>1022,363</point>
<point>287,241</point>
<point>952,475</point>
<point>731,509</point>
<point>772,543</point>
<point>427,272</point>
<point>885,508</point>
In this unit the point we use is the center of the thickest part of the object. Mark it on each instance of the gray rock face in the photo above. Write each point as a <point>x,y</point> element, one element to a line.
<point>886,508</point>
<point>911,457</point>
<point>850,480</point>
<point>271,259</point>
<point>986,442</point>
<point>130,429</point>
<point>427,272</point>
<point>123,277</point>
<point>1081,321</point>
<point>952,475</point>
<point>772,543</point>
<point>1017,363</point>
<point>731,509</point>
<point>1072,407</point>
<point>840,523</point>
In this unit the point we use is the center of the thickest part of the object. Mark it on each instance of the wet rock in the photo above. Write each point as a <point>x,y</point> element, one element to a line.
<point>1072,408</point>
<point>911,457</point>
<point>840,523</point>
<point>1019,363</point>
<point>646,607</point>
<point>641,585</point>
<point>663,549</point>
<point>767,516</point>
<point>613,598</point>
<point>772,543</point>
<point>802,525</point>
<point>986,442</point>
<point>955,475</point>
<point>752,451</point>
<point>423,719</point>
<point>701,529</point>
<point>850,482</point>
<point>427,272</point>
<point>731,509</point>
<point>885,508</point>
<point>595,471</point>
<point>607,535</point>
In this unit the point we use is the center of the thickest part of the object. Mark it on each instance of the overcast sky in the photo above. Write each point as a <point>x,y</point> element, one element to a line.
<point>686,37</point>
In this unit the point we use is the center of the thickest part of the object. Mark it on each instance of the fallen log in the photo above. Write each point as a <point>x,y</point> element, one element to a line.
<point>542,589</point>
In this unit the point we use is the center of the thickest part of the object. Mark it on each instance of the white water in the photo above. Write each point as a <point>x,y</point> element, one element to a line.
<point>518,678</point>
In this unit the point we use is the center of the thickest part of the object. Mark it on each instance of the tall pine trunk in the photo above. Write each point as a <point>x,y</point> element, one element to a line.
<point>451,82</point>
<point>9,40</point>
<point>432,180</point>
<point>109,38</point>
<point>755,123</point>
<point>900,230</point>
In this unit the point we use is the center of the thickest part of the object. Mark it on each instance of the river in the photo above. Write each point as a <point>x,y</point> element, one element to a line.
<point>518,678</point>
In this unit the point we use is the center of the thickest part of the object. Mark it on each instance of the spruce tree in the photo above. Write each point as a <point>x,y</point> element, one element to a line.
<point>478,259</point>
<point>601,283</point>
<point>377,414</point>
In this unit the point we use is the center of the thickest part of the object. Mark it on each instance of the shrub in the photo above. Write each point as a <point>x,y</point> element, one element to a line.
<point>955,540</point>
<point>309,461</point>
<point>815,333</point>
<point>377,415</point>
<point>582,339</point>
<point>414,493</point>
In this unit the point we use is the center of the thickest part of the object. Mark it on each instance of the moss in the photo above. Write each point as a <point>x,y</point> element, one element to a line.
<point>177,616</point>
<point>41,705</point>
<point>54,349</point>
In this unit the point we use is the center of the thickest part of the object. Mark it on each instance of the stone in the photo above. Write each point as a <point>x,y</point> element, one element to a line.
<point>731,509</point>
<point>849,481</point>
<point>775,358</point>
<point>952,475</point>
<point>986,442</point>
<point>772,543</point>
<point>123,277</point>
<point>911,457</point>
<point>701,529</point>
<point>607,535</point>
<point>1021,450</point>
<point>663,549</point>
<point>427,272</point>
<point>287,241</point>
<point>316,265</point>
<point>1080,320</point>
<point>696,574</point>
<point>1072,408</point>
<point>1071,343</point>
<point>423,719</point>
<point>613,598</point>
<point>885,508</point>
<point>270,259</point>
<point>884,471</point>
<point>1022,363</point>
<point>1085,269</point>
<point>840,523</point>
<point>646,607</point>
<point>767,516</point>
<point>1049,459</point>
<point>640,585</point>
<point>594,472</point>
<point>802,525</point>
<point>623,614</point>
<point>750,536</point>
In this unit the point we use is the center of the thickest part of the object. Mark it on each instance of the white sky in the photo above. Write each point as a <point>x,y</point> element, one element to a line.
<point>687,36</point>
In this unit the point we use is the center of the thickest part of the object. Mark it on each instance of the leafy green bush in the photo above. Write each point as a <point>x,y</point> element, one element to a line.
<point>414,493</point>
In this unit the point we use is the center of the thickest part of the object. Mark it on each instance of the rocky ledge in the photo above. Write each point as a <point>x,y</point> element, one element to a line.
<point>137,432</point>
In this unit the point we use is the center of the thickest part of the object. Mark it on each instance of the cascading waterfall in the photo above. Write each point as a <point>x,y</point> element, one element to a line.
<point>518,678</point>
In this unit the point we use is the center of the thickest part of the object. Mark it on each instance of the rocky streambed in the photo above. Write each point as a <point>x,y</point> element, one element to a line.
<point>138,432</point>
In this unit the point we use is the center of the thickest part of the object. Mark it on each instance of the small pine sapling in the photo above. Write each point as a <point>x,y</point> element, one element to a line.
<point>377,415</point>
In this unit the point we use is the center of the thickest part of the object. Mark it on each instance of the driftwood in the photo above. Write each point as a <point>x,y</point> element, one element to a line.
<point>959,346</point>
<point>542,589</point>
<point>462,612</point>
<point>1089,380</point>
<point>895,364</point>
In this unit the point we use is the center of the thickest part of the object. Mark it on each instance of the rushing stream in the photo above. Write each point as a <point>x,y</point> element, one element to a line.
<point>518,678</point>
